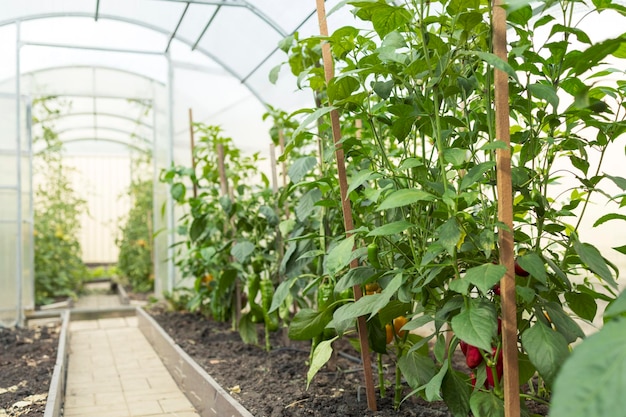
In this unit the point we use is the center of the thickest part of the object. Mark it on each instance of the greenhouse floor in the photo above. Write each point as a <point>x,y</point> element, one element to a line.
<point>113,371</point>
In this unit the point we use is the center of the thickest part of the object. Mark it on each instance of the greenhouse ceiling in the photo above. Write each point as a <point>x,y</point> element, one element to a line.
<point>216,55</point>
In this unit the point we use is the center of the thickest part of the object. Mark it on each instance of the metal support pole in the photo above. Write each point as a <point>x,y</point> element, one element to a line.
<point>170,160</point>
<point>19,270</point>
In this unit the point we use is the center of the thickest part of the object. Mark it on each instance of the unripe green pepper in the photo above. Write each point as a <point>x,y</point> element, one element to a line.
<point>372,255</point>
<point>325,295</point>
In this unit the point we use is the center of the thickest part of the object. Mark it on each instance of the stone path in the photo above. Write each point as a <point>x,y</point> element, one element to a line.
<point>114,372</point>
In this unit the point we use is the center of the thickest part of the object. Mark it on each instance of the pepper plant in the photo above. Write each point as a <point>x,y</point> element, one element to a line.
<point>423,176</point>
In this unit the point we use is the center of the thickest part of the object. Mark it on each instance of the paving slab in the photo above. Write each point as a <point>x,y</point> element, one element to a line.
<point>113,371</point>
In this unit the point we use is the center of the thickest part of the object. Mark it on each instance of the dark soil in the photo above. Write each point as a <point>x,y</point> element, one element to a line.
<point>273,384</point>
<point>27,358</point>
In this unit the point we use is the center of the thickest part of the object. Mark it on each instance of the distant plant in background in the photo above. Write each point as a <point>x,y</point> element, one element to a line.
<point>135,243</point>
<point>59,269</point>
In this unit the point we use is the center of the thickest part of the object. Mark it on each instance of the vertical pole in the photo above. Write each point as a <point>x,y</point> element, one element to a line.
<point>155,191</point>
<point>505,216</point>
<point>346,208</point>
<point>193,156</point>
<point>170,160</point>
<point>283,165</point>
<point>19,270</point>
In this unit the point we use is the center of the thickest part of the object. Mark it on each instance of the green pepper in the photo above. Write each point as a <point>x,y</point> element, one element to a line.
<point>267,293</point>
<point>325,295</point>
<point>372,255</point>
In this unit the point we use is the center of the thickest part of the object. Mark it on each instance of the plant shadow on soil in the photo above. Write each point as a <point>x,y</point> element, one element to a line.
<point>273,384</point>
<point>27,359</point>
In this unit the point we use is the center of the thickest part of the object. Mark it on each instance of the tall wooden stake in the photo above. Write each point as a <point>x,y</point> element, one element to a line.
<point>505,215</point>
<point>346,208</point>
<point>193,156</point>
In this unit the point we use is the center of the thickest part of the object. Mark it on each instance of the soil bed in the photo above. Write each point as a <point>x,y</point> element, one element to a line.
<point>27,358</point>
<point>273,384</point>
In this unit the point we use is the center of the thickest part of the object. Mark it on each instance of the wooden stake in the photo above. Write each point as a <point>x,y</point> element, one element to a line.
<point>505,215</point>
<point>193,156</point>
<point>222,169</point>
<point>346,208</point>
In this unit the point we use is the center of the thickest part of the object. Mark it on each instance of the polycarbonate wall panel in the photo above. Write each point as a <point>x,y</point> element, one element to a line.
<point>7,52</point>
<point>8,271</point>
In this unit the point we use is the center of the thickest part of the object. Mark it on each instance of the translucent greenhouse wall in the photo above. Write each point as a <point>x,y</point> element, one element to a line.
<point>16,220</point>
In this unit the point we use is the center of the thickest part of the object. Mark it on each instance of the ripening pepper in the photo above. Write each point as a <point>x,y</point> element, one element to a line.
<point>473,358</point>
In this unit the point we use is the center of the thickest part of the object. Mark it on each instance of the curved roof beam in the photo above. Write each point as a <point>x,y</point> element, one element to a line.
<point>154,28</point>
<point>99,113</point>
<point>92,67</point>
<point>117,141</point>
<point>106,128</point>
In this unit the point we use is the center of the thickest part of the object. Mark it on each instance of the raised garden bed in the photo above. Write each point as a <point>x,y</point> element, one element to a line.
<point>32,368</point>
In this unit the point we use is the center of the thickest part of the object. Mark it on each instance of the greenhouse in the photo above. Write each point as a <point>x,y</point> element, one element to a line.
<point>422,201</point>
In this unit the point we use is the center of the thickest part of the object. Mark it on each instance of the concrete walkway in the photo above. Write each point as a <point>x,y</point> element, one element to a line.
<point>114,372</point>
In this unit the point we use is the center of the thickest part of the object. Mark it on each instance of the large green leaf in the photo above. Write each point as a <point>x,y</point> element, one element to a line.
<point>495,61</point>
<point>417,369</point>
<point>308,323</point>
<point>433,387</point>
<point>534,265</point>
<point>592,382</point>
<point>456,392</point>
<point>405,197</point>
<point>594,260</point>
<point>178,191</point>
<point>486,404</point>
<point>547,349</point>
<point>545,92</point>
<point>306,203</point>
<point>301,167</point>
<point>356,276</point>
<point>476,324</point>
<point>341,88</point>
<point>198,226</point>
<point>390,229</point>
<point>449,234</point>
<point>247,329</point>
<point>369,305</point>
<point>582,304</point>
<point>339,256</point>
<point>484,277</point>
<point>359,178</point>
<point>616,308</point>
<point>242,250</point>
<point>321,355</point>
<point>607,217</point>
<point>384,17</point>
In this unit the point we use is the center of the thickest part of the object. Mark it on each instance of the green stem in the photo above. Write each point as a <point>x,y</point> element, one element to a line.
<point>381,376</point>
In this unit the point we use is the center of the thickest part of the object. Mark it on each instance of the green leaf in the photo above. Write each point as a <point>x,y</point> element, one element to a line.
<point>312,117</point>
<point>476,173</point>
<point>547,350</point>
<point>545,92</point>
<point>476,324</point>
<point>594,260</point>
<point>616,308</point>
<point>449,234</point>
<point>242,250</point>
<point>607,217</point>
<point>486,404</point>
<point>384,17</point>
<point>417,369</point>
<point>307,202</point>
<point>301,167</point>
<point>321,355</point>
<point>582,304</point>
<point>495,61</point>
<point>455,156</point>
<point>619,181</point>
<point>390,229</point>
<point>433,388</point>
<point>281,293</point>
<point>383,89</point>
<point>369,305</point>
<point>340,88</point>
<point>405,197</point>
<point>273,76</point>
<point>355,276</point>
<point>533,264</point>
<point>484,277</point>
<point>456,393</point>
<point>563,323</point>
<point>198,226</point>
<point>308,323</point>
<point>359,178</point>
<point>178,191</point>
<point>247,330</point>
<point>339,256</point>
<point>270,215</point>
<point>591,382</point>
<point>621,249</point>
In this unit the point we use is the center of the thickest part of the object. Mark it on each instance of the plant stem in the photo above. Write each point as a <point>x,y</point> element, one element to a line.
<point>381,376</point>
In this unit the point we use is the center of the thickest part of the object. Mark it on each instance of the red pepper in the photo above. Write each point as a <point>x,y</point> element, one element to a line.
<point>473,358</point>
<point>520,271</point>
<point>464,346</point>
<point>499,369</point>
